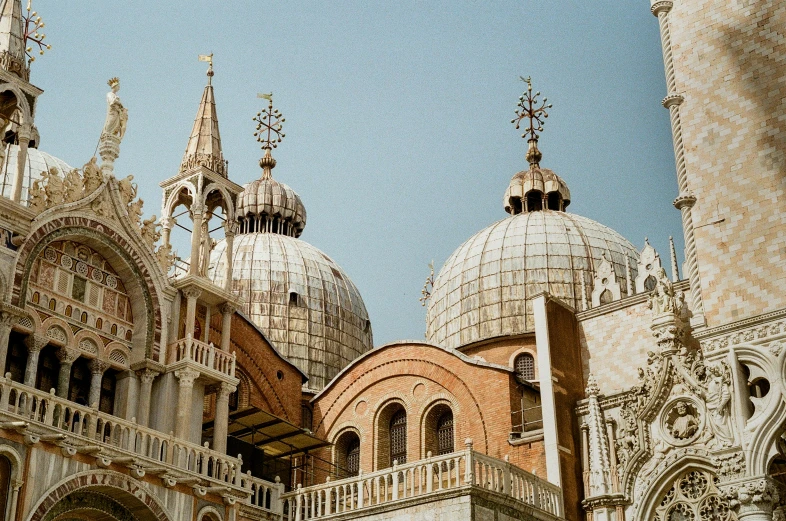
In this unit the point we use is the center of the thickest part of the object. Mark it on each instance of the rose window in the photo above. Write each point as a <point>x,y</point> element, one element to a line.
<point>694,496</point>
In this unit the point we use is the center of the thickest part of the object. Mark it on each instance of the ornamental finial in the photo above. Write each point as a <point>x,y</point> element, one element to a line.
<point>208,58</point>
<point>33,35</point>
<point>528,108</point>
<point>268,133</point>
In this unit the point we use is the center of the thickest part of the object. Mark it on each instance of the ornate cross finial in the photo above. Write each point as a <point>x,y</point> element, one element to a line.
<point>428,286</point>
<point>33,35</point>
<point>269,123</point>
<point>208,58</point>
<point>528,108</point>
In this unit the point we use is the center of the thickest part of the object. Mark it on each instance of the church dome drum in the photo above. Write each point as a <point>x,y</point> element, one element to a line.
<point>36,164</point>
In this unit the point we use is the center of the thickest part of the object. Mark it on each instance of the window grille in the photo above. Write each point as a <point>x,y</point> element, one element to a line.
<point>398,437</point>
<point>525,366</point>
<point>445,433</point>
<point>353,456</point>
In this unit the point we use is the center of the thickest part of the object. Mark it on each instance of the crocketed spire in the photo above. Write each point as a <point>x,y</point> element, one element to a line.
<point>204,145</point>
<point>12,39</point>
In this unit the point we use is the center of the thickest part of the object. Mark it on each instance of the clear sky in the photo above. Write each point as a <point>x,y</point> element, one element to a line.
<point>398,115</point>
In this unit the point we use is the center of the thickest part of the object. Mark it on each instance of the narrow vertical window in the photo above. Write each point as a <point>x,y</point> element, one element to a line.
<point>398,437</point>
<point>525,366</point>
<point>445,433</point>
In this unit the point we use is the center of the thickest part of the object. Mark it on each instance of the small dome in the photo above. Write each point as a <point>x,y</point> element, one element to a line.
<point>36,163</point>
<point>267,205</point>
<point>535,189</point>
<point>484,290</point>
<point>304,302</point>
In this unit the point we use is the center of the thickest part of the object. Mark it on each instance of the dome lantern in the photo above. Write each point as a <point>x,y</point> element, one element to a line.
<point>536,188</point>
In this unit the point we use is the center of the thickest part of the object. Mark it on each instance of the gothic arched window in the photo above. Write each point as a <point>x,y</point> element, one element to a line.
<point>398,437</point>
<point>525,366</point>
<point>694,496</point>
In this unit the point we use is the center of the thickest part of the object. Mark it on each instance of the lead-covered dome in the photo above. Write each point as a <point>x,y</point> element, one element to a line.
<point>36,163</point>
<point>484,288</point>
<point>266,203</point>
<point>304,302</point>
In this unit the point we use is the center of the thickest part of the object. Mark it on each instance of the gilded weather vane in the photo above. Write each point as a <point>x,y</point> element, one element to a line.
<point>534,110</point>
<point>33,35</point>
<point>209,59</point>
<point>269,123</point>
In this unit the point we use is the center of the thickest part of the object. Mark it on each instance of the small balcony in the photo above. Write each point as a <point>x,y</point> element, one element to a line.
<point>434,480</point>
<point>212,363</point>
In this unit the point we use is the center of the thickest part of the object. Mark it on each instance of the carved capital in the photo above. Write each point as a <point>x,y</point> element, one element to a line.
<point>35,342</point>
<point>227,309</point>
<point>192,292</point>
<point>758,495</point>
<point>167,222</point>
<point>97,366</point>
<point>672,100</point>
<point>67,356</point>
<point>669,332</point>
<point>224,390</point>
<point>231,228</point>
<point>186,377</point>
<point>197,208</point>
<point>662,6</point>
<point>146,376</point>
<point>7,320</point>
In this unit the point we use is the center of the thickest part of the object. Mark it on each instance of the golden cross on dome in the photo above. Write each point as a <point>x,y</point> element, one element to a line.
<point>33,35</point>
<point>528,105</point>
<point>269,122</point>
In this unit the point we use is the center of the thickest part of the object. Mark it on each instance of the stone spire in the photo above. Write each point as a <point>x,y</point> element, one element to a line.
<point>12,39</point>
<point>204,145</point>
<point>598,444</point>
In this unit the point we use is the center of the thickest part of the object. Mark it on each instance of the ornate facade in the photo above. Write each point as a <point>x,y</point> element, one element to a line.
<point>565,373</point>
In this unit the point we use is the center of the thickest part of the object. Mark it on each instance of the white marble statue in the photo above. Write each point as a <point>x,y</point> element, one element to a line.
<point>116,113</point>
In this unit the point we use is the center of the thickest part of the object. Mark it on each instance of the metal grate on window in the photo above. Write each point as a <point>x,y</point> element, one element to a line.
<point>353,457</point>
<point>445,433</point>
<point>525,366</point>
<point>398,438</point>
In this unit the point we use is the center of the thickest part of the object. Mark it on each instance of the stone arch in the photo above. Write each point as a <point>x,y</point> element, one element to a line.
<point>16,461</point>
<point>209,513</point>
<point>429,414</point>
<point>61,334</point>
<point>21,99</point>
<point>226,198</point>
<point>530,350</point>
<point>173,199</point>
<point>661,479</point>
<point>144,295</point>
<point>123,490</point>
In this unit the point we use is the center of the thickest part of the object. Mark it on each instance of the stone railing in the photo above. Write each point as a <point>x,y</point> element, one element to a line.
<point>205,355</point>
<point>41,416</point>
<point>463,469</point>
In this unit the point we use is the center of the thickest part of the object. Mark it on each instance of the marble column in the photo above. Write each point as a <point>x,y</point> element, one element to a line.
<point>230,229</point>
<point>227,311</point>
<point>221,420</point>
<point>7,321</point>
<point>34,345</point>
<point>146,377</point>
<point>97,368</point>
<point>186,379</point>
<point>23,136</point>
<point>196,238</point>
<point>67,358</point>
<point>191,302</point>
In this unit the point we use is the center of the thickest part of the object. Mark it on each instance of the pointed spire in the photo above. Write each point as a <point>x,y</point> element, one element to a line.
<point>12,39</point>
<point>675,270</point>
<point>204,145</point>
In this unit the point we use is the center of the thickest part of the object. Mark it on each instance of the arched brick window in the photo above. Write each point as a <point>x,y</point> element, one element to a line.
<point>445,433</point>
<point>5,485</point>
<point>353,457</point>
<point>347,455</point>
<point>398,437</point>
<point>525,366</point>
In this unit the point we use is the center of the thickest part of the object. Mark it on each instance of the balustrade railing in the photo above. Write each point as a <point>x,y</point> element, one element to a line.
<point>465,468</point>
<point>206,355</point>
<point>156,452</point>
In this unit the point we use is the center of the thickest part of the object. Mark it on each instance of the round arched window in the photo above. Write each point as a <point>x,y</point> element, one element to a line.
<point>525,366</point>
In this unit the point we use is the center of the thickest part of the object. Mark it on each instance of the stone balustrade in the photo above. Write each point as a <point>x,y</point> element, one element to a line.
<point>464,469</point>
<point>206,356</point>
<point>80,429</point>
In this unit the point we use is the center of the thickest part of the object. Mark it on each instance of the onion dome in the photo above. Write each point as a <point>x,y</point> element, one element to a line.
<point>486,286</point>
<point>36,164</point>
<point>304,302</point>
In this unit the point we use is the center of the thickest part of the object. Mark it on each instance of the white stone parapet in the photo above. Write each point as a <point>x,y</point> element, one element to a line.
<point>464,469</point>
<point>207,356</point>
<point>47,417</point>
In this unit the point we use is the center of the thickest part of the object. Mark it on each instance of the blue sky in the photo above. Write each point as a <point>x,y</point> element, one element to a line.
<point>398,115</point>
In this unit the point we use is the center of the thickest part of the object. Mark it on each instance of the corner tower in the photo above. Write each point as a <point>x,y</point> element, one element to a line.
<point>725,61</point>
